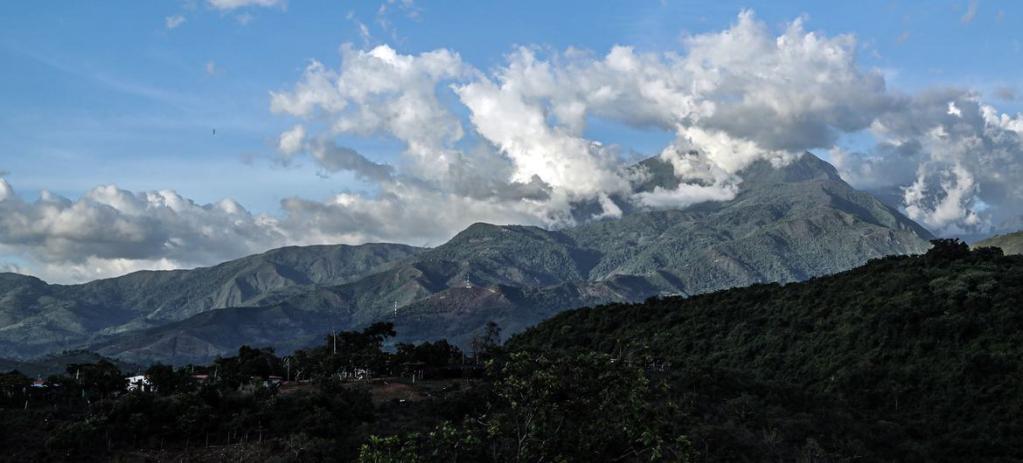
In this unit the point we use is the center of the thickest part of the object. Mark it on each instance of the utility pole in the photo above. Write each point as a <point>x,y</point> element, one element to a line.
<point>333,335</point>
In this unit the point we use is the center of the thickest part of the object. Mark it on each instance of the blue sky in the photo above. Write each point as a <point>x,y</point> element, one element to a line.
<point>103,93</point>
<point>108,93</point>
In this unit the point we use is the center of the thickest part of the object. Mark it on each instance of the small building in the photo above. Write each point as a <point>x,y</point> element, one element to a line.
<point>139,383</point>
<point>354,374</point>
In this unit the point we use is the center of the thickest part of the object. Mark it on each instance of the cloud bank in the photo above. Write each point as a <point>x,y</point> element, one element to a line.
<point>510,145</point>
<point>734,97</point>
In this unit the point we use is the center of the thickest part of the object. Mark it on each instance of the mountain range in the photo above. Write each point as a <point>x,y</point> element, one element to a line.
<point>1011,243</point>
<point>785,224</point>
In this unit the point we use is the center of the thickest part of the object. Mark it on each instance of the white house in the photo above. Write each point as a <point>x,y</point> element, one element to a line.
<point>139,383</point>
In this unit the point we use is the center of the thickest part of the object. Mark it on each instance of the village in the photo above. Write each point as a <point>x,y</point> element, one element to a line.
<point>354,360</point>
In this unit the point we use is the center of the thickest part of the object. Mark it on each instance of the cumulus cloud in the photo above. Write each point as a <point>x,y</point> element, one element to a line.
<point>949,209</point>
<point>510,145</point>
<point>731,98</point>
<point>402,213</point>
<point>108,229</point>
<point>735,97</point>
<point>381,92</point>
<point>956,159</point>
<point>292,141</point>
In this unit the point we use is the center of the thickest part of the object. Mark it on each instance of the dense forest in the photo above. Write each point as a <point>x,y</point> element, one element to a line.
<point>908,358</point>
<point>912,358</point>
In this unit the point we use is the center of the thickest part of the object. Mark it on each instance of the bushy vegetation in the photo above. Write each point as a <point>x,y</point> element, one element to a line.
<point>242,406</point>
<point>904,359</point>
<point>583,407</point>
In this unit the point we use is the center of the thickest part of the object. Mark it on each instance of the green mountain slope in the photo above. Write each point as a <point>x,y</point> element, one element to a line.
<point>1011,243</point>
<point>786,224</point>
<point>36,317</point>
<point>905,359</point>
<point>205,336</point>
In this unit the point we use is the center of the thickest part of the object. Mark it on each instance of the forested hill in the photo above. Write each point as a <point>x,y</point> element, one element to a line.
<point>906,358</point>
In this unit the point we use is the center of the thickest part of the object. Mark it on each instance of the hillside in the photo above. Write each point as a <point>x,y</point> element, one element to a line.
<point>905,358</point>
<point>36,317</point>
<point>1010,243</point>
<point>213,333</point>
<point>786,224</point>
<point>55,364</point>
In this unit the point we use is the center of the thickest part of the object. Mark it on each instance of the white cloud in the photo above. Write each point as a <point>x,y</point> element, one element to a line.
<point>736,96</point>
<point>732,97</point>
<point>567,162</point>
<point>686,195</point>
<point>948,209</point>
<point>109,228</point>
<point>227,5</point>
<point>953,110</point>
<point>792,92</point>
<point>172,22</point>
<point>292,141</point>
<point>510,145</point>
<point>6,192</point>
<point>957,159</point>
<point>381,92</point>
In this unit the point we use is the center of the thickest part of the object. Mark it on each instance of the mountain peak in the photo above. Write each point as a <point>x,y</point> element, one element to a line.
<point>787,223</point>
<point>807,167</point>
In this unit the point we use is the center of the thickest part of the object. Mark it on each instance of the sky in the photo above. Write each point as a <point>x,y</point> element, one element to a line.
<point>169,134</point>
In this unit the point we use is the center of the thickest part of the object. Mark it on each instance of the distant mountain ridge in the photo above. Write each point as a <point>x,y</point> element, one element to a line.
<point>1010,243</point>
<point>785,224</point>
<point>55,364</point>
<point>36,317</point>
